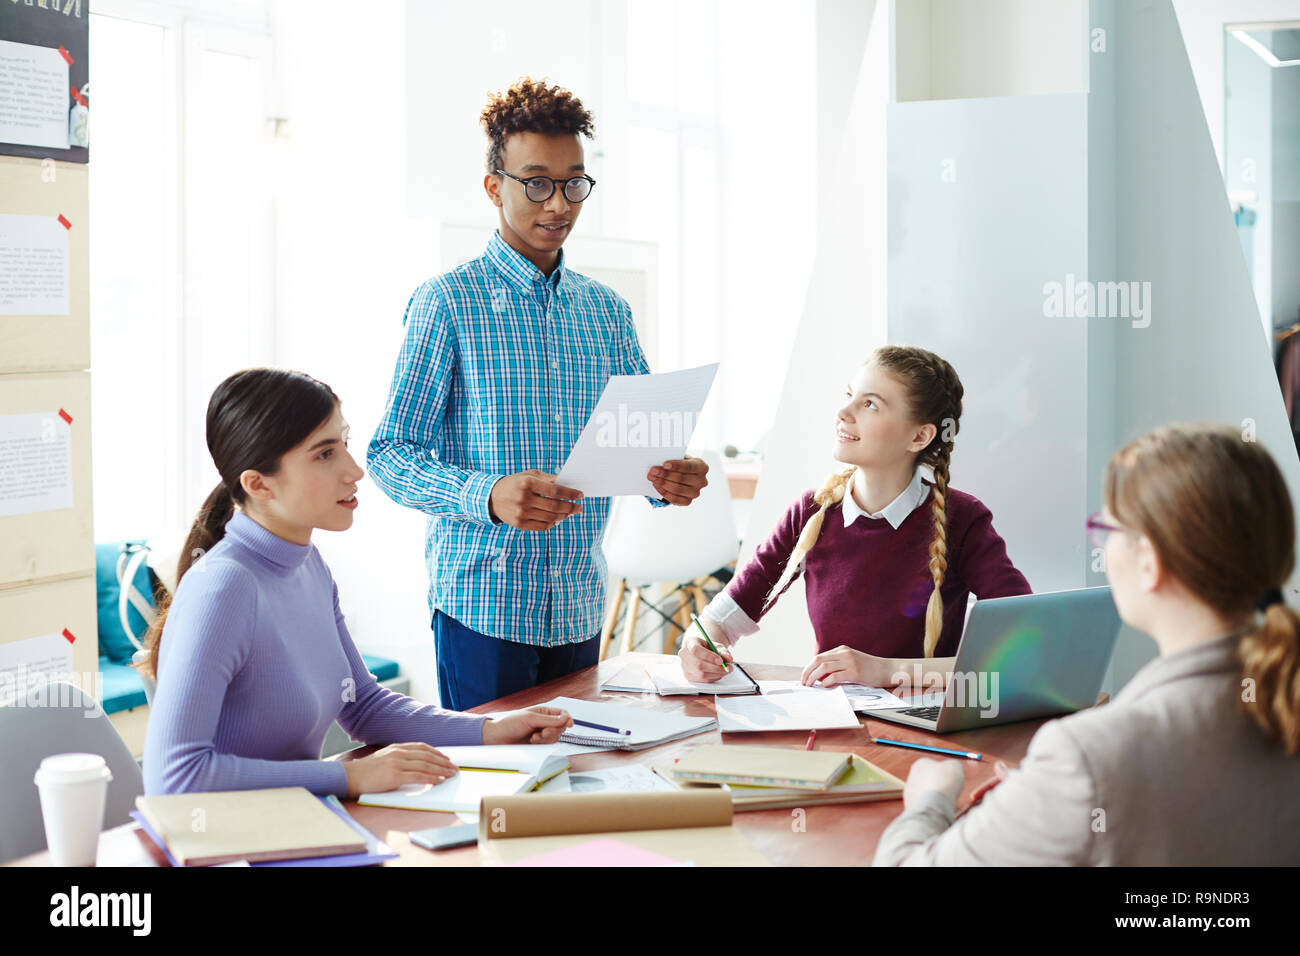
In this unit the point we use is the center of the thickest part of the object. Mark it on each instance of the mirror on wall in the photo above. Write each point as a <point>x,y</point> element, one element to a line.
<point>1261,68</point>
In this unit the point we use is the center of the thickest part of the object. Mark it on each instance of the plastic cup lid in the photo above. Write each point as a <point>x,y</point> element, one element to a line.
<point>73,768</point>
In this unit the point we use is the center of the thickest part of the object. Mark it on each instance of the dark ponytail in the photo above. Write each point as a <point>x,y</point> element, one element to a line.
<point>254,418</point>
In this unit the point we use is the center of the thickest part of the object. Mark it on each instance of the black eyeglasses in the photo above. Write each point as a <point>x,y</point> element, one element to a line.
<point>540,188</point>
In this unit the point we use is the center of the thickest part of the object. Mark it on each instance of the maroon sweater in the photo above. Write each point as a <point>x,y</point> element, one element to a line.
<point>867,585</point>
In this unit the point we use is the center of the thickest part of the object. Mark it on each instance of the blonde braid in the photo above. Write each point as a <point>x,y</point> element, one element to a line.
<point>831,492</point>
<point>938,549</point>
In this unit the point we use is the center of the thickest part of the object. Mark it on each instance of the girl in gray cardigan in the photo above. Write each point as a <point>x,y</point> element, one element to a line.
<point>1195,760</point>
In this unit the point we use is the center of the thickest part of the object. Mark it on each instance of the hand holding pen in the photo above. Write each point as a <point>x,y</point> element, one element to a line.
<point>703,660</point>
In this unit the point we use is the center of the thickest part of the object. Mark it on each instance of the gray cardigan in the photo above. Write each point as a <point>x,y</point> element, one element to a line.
<point>1170,773</point>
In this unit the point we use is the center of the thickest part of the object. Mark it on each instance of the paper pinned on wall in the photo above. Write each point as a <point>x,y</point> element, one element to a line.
<point>640,421</point>
<point>34,269</point>
<point>34,105</point>
<point>24,664</point>
<point>35,463</point>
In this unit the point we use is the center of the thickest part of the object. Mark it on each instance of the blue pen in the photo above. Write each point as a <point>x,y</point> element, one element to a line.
<point>612,730</point>
<point>968,754</point>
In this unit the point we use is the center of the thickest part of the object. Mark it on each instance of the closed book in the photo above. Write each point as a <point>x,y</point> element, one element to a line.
<point>864,783</point>
<point>763,766</point>
<point>279,823</point>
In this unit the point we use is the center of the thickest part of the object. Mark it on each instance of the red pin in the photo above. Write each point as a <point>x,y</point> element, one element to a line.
<point>65,416</point>
<point>66,55</point>
<point>70,636</point>
<point>64,221</point>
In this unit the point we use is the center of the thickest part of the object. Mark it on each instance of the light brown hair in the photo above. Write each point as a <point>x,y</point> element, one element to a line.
<point>933,394</point>
<point>1217,513</point>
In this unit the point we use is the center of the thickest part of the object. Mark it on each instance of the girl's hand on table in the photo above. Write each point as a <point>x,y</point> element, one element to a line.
<point>395,766</point>
<point>844,665</point>
<point>536,725</point>
<point>929,775</point>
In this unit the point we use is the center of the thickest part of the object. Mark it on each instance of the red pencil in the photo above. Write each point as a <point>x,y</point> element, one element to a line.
<point>812,740</point>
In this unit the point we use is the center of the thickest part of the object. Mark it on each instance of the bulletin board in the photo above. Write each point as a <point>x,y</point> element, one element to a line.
<point>45,79</point>
<point>46,518</point>
<point>50,199</point>
<point>64,610</point>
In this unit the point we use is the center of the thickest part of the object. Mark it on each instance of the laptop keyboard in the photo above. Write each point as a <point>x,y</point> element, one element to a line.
<point>928,713</point>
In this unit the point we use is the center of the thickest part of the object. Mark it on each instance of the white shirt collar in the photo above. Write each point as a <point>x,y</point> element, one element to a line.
<point>897,510</point>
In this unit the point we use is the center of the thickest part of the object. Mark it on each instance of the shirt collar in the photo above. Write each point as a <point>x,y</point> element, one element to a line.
<point>519,271</point>
<point>274,550</point>
<point>908,500</point>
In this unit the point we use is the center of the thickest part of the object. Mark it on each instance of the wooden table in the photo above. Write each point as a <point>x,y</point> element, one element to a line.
<point>838,835</point>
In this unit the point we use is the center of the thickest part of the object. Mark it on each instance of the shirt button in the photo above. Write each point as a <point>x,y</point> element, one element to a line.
<point>555,572</point>
<point>555,364</point>
<point>557,416</point>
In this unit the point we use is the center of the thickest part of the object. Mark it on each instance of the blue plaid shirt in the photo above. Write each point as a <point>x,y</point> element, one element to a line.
<point>500,369</point>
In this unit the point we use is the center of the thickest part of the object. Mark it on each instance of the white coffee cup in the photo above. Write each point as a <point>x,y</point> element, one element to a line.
<point>74,789</point>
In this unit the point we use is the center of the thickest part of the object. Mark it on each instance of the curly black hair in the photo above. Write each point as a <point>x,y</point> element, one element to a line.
<point>531,106</point>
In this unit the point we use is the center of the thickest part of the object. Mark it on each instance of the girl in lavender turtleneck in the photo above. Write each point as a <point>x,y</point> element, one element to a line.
<point>887,580</point>
<point>252,657</point>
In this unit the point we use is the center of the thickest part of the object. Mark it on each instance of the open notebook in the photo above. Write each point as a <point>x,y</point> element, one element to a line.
<point>649,728</point>
<point>485,771</point>
<point>665,678</point>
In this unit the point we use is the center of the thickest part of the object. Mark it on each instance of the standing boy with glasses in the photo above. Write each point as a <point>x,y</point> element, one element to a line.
<point>502,364</point>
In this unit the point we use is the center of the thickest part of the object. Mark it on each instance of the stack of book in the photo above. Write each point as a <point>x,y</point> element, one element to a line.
<point>768,778</point>
<point>271,827</point>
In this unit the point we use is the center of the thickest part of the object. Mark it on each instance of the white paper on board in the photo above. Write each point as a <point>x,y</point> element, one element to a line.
<point>24,664</point>
<point>34,91</point>
<point>34,269</point>
<point>35,463</point>
<point>640,421</point>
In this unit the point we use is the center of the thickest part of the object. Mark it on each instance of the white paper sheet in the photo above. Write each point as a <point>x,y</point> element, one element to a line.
<point>786,707</point>
<point>862,698</point>
<point>35,660</point>
<point>35,463</point>
<point>34,95</point>
<point>635,778</point>
<point>640,421</point>
<point>34,270</point>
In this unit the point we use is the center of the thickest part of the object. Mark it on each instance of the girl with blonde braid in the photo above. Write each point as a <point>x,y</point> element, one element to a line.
<point>886,578</point>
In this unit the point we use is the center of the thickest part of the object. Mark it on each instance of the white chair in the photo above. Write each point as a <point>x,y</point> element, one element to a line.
<point>31,729</point>
<point>647,545</point>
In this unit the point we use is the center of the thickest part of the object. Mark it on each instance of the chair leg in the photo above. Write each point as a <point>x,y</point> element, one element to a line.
<point>697,593</point>
<point>629,631</point>
<point>682,619</point>
<point>611,618</point>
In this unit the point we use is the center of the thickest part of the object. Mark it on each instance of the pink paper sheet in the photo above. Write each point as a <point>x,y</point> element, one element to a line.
<point>603,852</point>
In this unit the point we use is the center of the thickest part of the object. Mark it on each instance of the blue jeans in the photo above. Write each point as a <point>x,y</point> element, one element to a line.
<point>474,668</point>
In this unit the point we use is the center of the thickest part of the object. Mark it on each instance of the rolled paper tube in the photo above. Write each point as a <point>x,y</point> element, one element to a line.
<point>553,814</point>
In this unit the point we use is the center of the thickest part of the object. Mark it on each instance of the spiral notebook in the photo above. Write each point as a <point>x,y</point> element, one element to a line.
<point>649,728</point>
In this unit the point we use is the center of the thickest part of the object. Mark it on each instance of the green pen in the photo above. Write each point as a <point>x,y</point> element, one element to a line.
<point>725,665</point>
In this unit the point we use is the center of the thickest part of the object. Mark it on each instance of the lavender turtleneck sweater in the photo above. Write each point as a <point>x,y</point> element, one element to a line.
<point>256,663</point>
